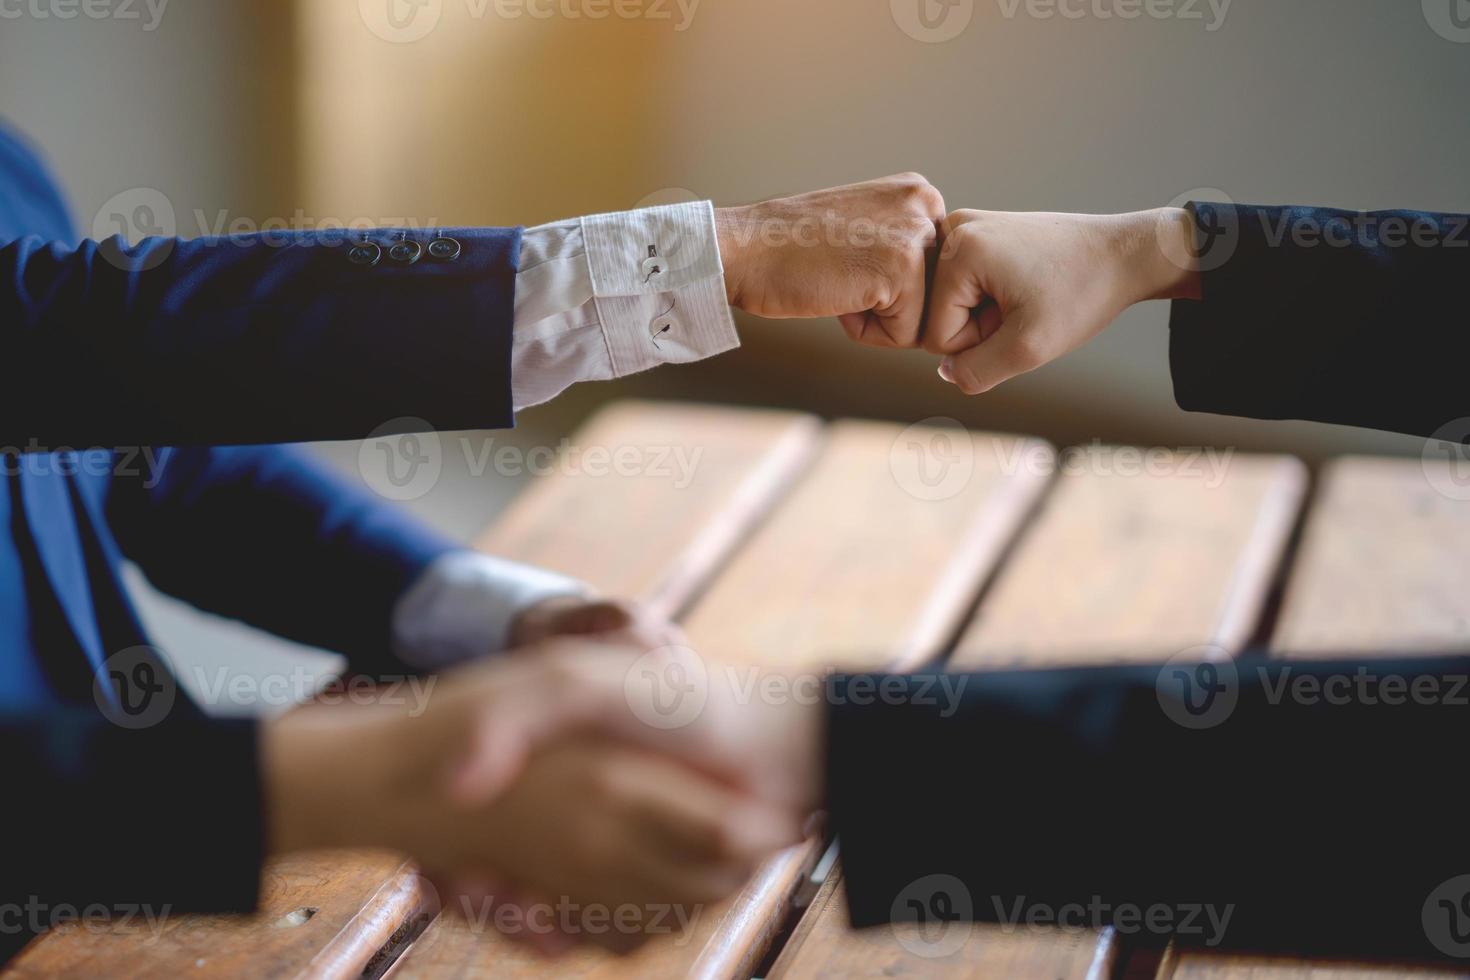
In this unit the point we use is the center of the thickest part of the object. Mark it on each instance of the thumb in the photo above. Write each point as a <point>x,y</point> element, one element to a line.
<point>1007,351</point>
<point>594,617</point>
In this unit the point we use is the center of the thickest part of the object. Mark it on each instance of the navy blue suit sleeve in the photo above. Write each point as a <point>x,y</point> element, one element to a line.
<point>270,536</point>
<point>120,817</point>
<point>1317,804</point>
<point>253,339</point>
<point>1332,316</point>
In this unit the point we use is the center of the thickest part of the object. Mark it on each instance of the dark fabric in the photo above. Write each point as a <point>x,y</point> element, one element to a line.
<point>137,823</point>
<point>215,346</point>
<point>1306,821</point>
<point>1332,316</point>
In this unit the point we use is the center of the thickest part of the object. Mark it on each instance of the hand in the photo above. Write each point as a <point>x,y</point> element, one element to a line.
<point>857,252</point>
<point>600,825</point>
<point>1014,291</point>
<point>768,747</point>
<point>615,619</point>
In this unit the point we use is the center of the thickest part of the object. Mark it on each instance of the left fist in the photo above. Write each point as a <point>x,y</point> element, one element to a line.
<point>616,619</point>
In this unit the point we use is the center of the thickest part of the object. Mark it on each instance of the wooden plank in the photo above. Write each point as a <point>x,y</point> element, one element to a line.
<point>1114,568</point>
<point>1140,567</point>
<point>855,566</point>
<point>1193,965</point>
<point>1381,570</point>
<point>825,946</point>
<point>694,481</point>
<point>320,916</point>
<point>697,478</point>
<point>1382,566</point>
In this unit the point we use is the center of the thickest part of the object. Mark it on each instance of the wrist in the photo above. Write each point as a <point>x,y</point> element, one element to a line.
<point>322,776</point>
<point>732,239</point>
<point>1161,258</point>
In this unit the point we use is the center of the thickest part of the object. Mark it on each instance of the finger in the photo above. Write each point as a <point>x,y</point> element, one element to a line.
<point>601,616</point>
<point>868,329</point>
<point>689,817</point>
<point>998,359</point>
<point>953,300</point>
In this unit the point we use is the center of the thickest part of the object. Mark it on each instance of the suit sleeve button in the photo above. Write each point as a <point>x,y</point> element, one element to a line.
<point>364,253</point>
<point>444,249</point>
<point>406,252</point>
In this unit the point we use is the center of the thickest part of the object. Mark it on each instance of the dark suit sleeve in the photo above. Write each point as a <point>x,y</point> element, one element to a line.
<point>168,817</point>
<point>1315,813</point>
<point>1332,316</point>
<point>273,537</point>
<point>275,337</point>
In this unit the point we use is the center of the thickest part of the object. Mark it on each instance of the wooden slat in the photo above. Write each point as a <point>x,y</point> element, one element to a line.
<point>1138,568</point>
<point>1224,966</point>
<point>825,946</point>
<point>658,531</point>
<point>1381,570</point>
<point>1114,568</point>
<point>850,568</point>
<point>320,916</point>
<point>1383,565</point>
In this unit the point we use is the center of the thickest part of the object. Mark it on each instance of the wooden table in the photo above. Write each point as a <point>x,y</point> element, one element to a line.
<point>866,544</point>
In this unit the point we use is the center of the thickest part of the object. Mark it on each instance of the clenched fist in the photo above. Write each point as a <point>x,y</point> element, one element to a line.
<point>858,252</point>
<point>1014,291</point>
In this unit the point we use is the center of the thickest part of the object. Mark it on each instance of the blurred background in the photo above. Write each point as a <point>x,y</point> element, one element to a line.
<point>522,111</point>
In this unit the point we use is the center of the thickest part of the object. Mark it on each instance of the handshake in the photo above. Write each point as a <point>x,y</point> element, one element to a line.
<point>994,294</point>
<point>532,786</point>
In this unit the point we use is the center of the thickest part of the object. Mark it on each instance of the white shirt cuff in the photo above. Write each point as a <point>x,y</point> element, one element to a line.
<point>464,604</point>
<point>614,294</point>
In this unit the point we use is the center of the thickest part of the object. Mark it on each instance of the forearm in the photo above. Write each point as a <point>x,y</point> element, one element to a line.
<point>265,338</point>
<point>1077,786</point>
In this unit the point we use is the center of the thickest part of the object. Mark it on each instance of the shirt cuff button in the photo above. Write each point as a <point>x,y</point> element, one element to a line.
<point>364,253</point>
<point>444,249</point>
<point>406,252</point>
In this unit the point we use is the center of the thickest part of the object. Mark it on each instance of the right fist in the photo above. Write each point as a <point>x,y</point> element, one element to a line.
<point>859,253</point>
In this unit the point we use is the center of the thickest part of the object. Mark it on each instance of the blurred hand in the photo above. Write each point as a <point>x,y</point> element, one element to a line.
<point>768,747</point>
<point>619,620</point>
<point>1014,291</point>
<point>857,252</point>
<point>589,824</point>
